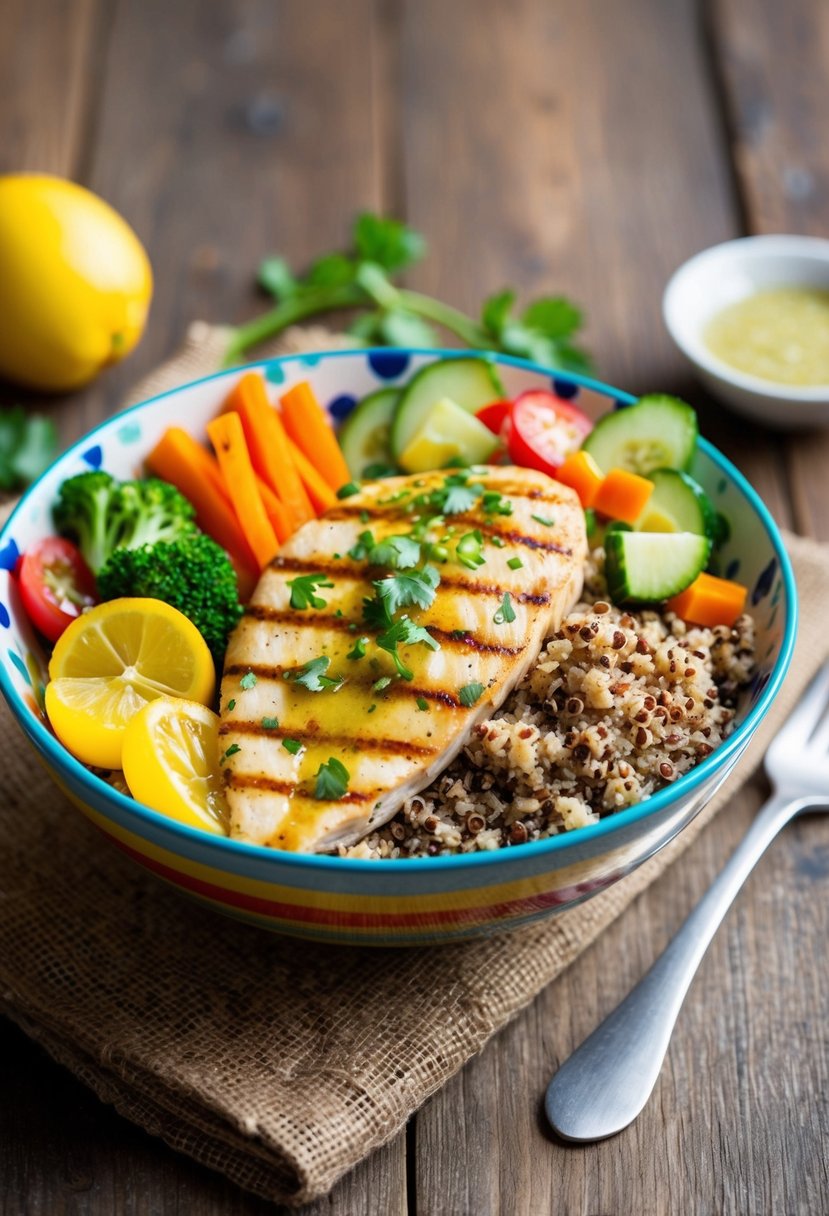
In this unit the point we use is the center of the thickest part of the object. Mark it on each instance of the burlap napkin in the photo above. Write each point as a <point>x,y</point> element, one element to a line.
<point>280,1064</point>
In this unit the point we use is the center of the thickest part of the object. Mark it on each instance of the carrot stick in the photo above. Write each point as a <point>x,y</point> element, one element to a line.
<point>276,511</point>
<point>317,488</point>
<point>268,445</point>
<point>710,601</point>
<point>307,424</point>
<point>623,495</point>
<point>240,482</point>
<point>181,460</point>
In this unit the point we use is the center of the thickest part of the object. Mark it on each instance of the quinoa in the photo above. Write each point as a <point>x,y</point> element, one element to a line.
<point>617,704</point>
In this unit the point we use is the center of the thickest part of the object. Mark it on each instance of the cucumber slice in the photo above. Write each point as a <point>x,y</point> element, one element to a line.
<point>448,435</point>
<point>470,383</point>
<point>643,567</point>
<point>364,436</point>
<point>658,432</point>
<point>677,504</point>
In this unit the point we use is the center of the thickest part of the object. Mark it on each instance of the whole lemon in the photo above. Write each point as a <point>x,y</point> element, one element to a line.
<point>75,283</point>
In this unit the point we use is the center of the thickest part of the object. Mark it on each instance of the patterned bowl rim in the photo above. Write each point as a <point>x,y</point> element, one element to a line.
<point>78,774</point>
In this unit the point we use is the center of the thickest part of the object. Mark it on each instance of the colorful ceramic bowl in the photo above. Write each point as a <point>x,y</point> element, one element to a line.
<point>387,902</point>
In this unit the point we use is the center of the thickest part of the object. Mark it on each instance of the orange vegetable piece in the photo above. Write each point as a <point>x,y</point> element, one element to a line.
<point>623,495</point>
<point>181,460</point>
<point>276,512</point>
<point>240,482</point>
<point>710,601</point>
<point>307,424</point>
<point>268,445</point>
<point>316,487</point>
<point>583,475</point>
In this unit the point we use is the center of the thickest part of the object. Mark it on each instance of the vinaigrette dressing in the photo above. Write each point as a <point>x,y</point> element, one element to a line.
<point>780,335</point>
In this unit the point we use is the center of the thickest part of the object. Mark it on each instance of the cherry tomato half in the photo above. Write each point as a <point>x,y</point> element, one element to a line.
<point>495,415</point>
<point>544,430</point>
<point>55,585</point>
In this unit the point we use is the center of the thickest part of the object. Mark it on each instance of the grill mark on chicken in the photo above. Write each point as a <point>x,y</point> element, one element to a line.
<point>340,624</point>
<point>397,688</point>
<point>258,781</point>
<point>392,747</point>
<point>486,529</point>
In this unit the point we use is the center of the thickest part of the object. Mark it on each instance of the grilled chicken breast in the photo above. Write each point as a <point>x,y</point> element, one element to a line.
<point>393,735</point>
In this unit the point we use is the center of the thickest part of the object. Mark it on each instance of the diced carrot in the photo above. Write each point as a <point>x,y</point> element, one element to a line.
<point>268,445</point>
<point>316,487</point>
<point>623,495</point>
<point>710,601</point>
<point>583,475</point>
<point>242,486</point>
<point>307,424</point>
<point>181,460</point>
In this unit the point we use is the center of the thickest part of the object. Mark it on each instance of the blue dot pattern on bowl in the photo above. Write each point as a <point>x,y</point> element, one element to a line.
<point>21,667</point>
<point>733,568</point>
<point>565,389</point>
<point>341,406</point>
<point>5,619</point>
<point>388,365</point>
<point>9,555</point>
<point>275,373</point>
<point>129,433</point>
<point>764,583</point>
<point>310,360</point>
<point>93,456</point>
<point>618,404</point>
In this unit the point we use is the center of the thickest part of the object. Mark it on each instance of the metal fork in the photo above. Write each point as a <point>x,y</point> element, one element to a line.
<point>606,1082</point>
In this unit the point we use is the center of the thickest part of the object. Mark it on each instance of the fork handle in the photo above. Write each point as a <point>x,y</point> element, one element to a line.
<point>606,1082</point>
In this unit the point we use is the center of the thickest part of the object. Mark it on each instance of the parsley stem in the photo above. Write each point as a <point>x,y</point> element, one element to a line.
<point>297,308</point>
<point>450,318</point>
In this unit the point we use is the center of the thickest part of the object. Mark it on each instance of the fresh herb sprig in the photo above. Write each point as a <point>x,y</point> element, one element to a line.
<point>390,315</point>
<point>28,445</point>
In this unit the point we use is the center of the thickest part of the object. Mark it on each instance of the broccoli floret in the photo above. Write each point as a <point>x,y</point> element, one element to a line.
<point>101,514</point>
<point>192,573</point>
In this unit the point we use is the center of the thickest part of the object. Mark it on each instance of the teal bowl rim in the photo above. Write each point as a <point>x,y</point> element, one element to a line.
<point>77,773</point>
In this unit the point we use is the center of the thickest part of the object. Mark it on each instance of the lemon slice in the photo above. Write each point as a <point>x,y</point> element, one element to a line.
<point>110,662</point>
<point>171,762</point>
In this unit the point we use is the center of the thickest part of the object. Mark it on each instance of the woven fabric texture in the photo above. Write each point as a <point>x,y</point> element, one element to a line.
<point>280,1064</point>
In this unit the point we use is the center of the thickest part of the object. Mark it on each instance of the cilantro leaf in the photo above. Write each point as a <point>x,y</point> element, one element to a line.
<point>28,445</point>
<point>276,278</point>
<point>248,681</point>
<point>389,243</point>
<point>552,316</point>
<point>470,693</point>
<point>358,650</point>
<point>398,552</point>
<point>292,745</point>
<point>405,632</point>
<point>302,590</point>
<point>496,309</point>
<point>311,676</point>
<point>400,591</point>
<point>459,499</point>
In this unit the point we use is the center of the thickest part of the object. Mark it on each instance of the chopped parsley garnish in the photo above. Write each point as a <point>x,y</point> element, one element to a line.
<point>348,490</point>
<point>422,703</point>
<point>405,633</point>
<point>365,516</point>
<point>231,705</point>
<point>232,750</point>
<point>416,588</point>
<point>459,498</point>
<point>494,503</point>
<point>515,563</point>
<point>332,780</point>
<point>540,519</point>
<point>382,683</point>
<point>270,723</point>
<point>468,550</point>
<point>302,590</point>
<point>506,613</point>
<point>496,541</point>
<point>248,681</point>
<point>292,745</point>
<point>470,693</point>
<point>358,650</point>
<point>311,676</point>
<point>371,709</point>
<point>359,552</point>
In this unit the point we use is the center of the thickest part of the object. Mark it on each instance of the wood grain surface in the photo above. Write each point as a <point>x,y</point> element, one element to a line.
<point>586,149</point>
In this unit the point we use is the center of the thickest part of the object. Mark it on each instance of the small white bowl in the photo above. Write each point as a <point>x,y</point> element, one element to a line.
<point>724,274</point>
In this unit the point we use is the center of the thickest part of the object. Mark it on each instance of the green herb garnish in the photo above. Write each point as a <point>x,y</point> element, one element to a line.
<point>248,681</point>
<point>28,445</point>
<point>515,563</point>
<point>331,780</point>
<point>397,552</point>
<point>231,705</point>
<point>405,632</point>
<point>506,613</point>
<point>469,550</point>
<point>302,590</point>
<point>311,676</point>
<point>422,703</point>
<point>540,519</point>
<point>470,693</point>
<point>348,490</point>
<point>270,723</point>
<point>371,709</point>
<point>292,745</point>
<point>358,650</point>
<point>382,683</point>
<point>416,588</point>
<point>231,751</point>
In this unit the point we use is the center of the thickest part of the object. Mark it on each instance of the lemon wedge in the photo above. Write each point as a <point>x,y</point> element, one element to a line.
<point>171,762</point>
<point>110,662</point>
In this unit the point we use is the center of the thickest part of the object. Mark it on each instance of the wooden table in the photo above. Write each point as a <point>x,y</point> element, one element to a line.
<point>586,148</point>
